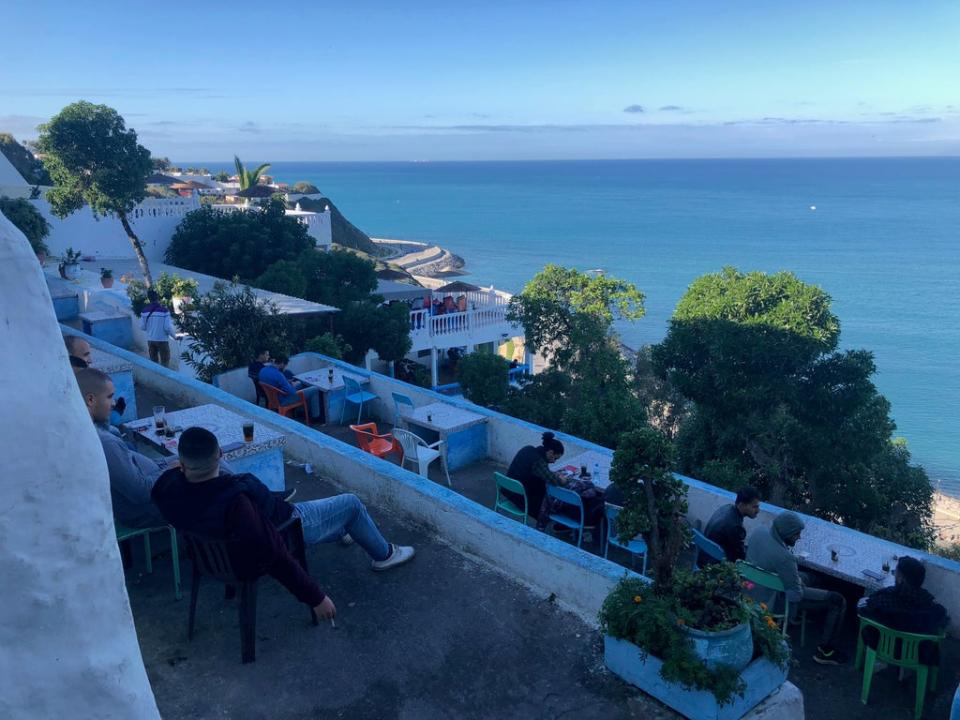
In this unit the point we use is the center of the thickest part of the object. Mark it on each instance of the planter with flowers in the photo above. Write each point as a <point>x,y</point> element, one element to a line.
<point>693,640</point>
<point>69,267</point>
<point>106,277</point>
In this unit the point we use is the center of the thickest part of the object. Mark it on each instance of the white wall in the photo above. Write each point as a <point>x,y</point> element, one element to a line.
<point>154,220</point>
<point>68,647</point>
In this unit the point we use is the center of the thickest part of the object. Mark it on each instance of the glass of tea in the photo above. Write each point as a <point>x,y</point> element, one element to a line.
<point>159,417</point>
<point>248,432</point>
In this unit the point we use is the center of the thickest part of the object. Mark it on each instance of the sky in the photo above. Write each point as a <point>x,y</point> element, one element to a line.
<point>498,80</point>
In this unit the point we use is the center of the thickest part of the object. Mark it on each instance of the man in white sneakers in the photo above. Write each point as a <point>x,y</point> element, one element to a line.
<point>198,497</point>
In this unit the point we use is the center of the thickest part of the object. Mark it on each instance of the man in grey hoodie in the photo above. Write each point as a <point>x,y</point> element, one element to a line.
<point>770,549</point>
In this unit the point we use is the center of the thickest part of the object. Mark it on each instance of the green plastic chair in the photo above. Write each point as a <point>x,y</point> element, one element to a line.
<point>506,505</point>
<point>771,581</point>
<point>908,658</point>
<point>125,533</point>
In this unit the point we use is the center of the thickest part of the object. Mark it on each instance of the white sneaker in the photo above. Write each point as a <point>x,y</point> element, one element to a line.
<point>346,540</point>
<point>399,554</point>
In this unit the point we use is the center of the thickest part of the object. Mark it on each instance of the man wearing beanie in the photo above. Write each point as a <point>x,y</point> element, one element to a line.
<point>770,549</point>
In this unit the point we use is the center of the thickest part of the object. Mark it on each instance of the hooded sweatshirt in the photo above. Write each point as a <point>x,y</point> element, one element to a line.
<point>767,550</point>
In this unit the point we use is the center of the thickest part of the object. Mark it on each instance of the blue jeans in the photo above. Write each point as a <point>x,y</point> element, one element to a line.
<point>312,395</point>
<point>329,519</point>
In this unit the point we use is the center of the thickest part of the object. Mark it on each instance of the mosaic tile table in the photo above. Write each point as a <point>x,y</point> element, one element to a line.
<point>333,393</point>
<point>464,433</point>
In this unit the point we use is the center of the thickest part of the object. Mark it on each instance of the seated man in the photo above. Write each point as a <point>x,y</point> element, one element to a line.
<point>80,357</point>
<point>275,375</point>
<point>260,358</point>
<point>769,549</point>
<point>132,475</point>
<point>198,497</point>
<point>725,526</point>
<point>906,606</point>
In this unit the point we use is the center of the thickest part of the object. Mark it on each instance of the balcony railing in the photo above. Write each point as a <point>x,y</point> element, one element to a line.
<point>423,323</point>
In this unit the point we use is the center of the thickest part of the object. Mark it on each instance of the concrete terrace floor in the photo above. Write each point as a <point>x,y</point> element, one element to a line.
<point>443,637</point>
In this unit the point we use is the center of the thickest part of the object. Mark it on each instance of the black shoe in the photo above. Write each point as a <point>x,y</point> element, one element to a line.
<point>829,656</point>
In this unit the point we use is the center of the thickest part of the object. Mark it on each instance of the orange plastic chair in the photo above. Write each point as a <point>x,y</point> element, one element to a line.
<point>273,403</point>
<point>373,442</point>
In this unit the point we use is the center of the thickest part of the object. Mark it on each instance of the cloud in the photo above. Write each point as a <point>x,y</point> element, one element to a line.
<point>634,109</point>
<point>674,108</point>
<point>250,127</point>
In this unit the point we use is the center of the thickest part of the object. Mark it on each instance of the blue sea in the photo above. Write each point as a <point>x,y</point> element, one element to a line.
<point>882,241</point>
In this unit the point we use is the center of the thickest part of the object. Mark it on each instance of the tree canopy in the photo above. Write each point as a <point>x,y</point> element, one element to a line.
<point>237,244</point>
<point>774,405</point>
<point>484,378</point>
<point>94,159</point>
<point>301,186</point>
<point>28,220</point>
<point>24,161</point>
<point>248,178</point>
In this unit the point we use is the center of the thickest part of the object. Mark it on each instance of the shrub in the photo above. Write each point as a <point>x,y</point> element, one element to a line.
<point>28,220</point>
<point>483,378</point>
<point>305,188</point>
<point>167,286</point>
<point>328,344</point>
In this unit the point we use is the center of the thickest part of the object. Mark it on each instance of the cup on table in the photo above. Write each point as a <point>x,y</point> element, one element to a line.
<point>159,417</point>
<point>248,431</point>
<point>583,471</point>
<point>330,375</point>
<point>834,555</point>
<point>169,430</point>
<point>429,417</point>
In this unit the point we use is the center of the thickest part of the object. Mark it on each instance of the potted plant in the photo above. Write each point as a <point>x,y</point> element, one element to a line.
<point>182,291</point>
<point>693,640</point>
<point>106,277</point>
<point>69,266</point>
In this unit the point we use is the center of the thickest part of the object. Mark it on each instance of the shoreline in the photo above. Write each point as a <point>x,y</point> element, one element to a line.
<point>420,258</point>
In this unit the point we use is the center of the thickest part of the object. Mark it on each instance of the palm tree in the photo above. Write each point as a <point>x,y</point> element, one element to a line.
<point>248,178</point>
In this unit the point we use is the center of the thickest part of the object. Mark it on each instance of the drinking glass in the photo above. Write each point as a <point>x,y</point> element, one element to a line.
<point>159,417</point>
<point>248,432</point>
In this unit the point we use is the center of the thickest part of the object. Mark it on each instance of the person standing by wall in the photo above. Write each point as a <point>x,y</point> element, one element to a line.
<point>155,321</point>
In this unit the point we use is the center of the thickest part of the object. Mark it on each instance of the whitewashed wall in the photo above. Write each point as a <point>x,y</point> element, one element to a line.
<point>154,220</point>
<point>68,647</point>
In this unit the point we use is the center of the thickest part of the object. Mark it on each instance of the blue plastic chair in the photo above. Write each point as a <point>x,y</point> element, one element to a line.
<point>356,395</point>
<point>637,546</point>
<point>567,497</point>
<point>955,708</point>
<point>707,546</point>
<point>399,402</point>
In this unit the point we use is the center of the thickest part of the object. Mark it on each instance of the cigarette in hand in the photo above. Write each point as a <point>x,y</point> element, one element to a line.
<point>333,623</point>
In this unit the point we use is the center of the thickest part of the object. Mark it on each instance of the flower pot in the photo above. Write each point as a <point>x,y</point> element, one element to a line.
<point>624,659</point>
<point>732,647</point>
<point>70,272</point>
<point>178,303</point>
<point>42,257</point>
<point>107,282</point>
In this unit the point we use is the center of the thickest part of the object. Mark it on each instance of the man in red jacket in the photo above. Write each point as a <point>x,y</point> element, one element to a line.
<point>197,497</point>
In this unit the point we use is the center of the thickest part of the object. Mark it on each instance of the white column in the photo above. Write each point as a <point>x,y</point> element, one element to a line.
<point>68,647</point>
<point>434,369</point>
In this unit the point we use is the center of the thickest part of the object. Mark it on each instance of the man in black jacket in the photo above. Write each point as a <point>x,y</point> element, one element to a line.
<point>906,606</point>
<point>725,527</point>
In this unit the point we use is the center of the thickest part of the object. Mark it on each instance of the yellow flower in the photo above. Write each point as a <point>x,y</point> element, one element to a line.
<point>763,606</point>
<point>637,599</point>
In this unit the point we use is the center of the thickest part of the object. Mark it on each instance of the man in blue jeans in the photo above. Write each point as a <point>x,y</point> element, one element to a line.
<point>198,497</point>
<point>275,374</point>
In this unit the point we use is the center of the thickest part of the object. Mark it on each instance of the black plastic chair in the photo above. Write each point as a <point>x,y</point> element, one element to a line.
<point>211,557</point>
<point>261,395</point>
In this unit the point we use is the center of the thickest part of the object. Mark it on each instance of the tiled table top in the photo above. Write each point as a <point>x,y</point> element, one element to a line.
<point>108,363</point>
<point>855,554</point>
<point>321,378</point>
<point>588,458</point>
<point>444,418</point>
<point>226,425</point>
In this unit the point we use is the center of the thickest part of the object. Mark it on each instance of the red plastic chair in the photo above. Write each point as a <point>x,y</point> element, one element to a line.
<point>373,442</point>
<point>273,403</point>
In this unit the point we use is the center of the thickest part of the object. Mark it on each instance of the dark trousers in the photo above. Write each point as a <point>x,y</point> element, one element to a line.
<point>159,351</point>
<point>833,604</point>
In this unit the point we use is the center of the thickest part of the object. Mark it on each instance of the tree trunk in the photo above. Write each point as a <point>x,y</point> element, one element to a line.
<point>137,248</point>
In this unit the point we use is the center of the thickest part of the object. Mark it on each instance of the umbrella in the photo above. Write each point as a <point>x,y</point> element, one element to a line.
<point>257,191</point>
<point>457,286</point>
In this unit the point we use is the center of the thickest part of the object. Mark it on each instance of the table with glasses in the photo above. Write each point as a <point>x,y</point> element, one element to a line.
<point>854,553</point>
<point>333,392</point>
<point>588,458</point>
<point>464,433</point>
<point>263,456</point>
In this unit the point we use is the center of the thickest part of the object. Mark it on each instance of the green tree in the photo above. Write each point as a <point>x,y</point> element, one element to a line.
<point>28,220</point>
<point>775,406</point>
<point>248,178</point>
<point>338,277</point>
<point>238,244</point>
<point>565,313</point>
<point>328,344</point>
<point>226,324</point>
<point>222,176</point>
<point>484,378</point>
<point>285,277</point>
<point>93,158</point>
<point>160,164</point>
<point>365,325</point>
<point>24,161</point>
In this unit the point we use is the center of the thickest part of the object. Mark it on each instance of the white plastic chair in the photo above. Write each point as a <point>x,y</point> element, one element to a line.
<point>418,452</point>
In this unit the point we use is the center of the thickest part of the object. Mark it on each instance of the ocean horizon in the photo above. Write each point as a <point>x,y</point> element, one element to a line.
<point>880,235</point>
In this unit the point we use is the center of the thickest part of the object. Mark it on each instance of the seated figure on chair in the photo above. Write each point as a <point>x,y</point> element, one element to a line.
<point>725,526</point>
<point>906,606</point>
<point>275,374</point>
<point>770,549</point>
<point>199,497</point>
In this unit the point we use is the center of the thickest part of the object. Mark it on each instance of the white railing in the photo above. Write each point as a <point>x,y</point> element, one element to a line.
<point>164,207</point>
<point>422,323</point>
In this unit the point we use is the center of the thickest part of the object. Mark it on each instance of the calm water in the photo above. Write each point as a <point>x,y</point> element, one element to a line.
<point>883,241</point>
